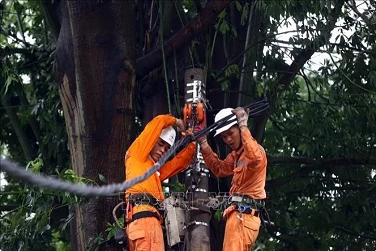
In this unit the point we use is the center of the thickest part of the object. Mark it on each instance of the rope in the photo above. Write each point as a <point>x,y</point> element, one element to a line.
<point>115,217</point>
<point>29,177</point>
<point>80,189</point>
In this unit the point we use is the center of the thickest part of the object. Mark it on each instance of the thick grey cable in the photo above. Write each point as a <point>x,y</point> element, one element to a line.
<point>110,190</point>
<point>85,190</point>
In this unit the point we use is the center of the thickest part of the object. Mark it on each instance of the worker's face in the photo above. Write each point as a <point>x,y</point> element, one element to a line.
<point>232,137</point>
<point>160,148</point>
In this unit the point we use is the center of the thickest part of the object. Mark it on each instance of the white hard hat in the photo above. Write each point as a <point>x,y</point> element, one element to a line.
<point>168,134</point>
<point>220,115</point>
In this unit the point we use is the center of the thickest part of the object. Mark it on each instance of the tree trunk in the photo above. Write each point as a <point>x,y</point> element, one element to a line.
<point>94,67</point>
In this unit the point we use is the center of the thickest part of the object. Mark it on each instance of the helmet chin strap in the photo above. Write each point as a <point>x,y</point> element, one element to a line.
<point>240,140</point>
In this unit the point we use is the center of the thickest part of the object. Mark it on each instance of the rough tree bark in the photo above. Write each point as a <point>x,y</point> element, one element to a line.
<point>94,67</point>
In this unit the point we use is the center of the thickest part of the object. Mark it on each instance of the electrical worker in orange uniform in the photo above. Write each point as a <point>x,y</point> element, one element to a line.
<point>144,229</point>
<point>247,163</point>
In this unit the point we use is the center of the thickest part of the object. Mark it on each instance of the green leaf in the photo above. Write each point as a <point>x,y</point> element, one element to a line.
<point>35,165</point>
<point>102,178</point>
<point>17,7</point>
<point>234,32</point>
<point>222,14</point>
<point>245,14</point>
<point>238,6</point>
<point>223,28</point>
<point>232,70</point>
<point>218,214</point>
<point>8,83</point>
<point>225,85</point>
<point>260,90</point>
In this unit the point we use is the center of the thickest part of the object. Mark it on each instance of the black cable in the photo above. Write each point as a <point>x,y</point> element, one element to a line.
<point>256,109</point>
<point>13,169</point>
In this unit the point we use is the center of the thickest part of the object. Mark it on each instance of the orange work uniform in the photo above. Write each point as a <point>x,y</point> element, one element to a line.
<point>146,233</point>
<point>248,167</point>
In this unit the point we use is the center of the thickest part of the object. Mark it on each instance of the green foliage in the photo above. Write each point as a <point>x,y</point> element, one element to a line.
<point>320,125</point>
<point>102,178</point>
<point>60,245</point>
<point>218,214</point>
<point>113,228</point>
<point>32,217</point>
<point>30,222</point>
<point>95,242</point>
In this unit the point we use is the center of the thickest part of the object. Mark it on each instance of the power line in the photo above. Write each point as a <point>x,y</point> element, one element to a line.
<point>258,107</point>
<point>85,190</point>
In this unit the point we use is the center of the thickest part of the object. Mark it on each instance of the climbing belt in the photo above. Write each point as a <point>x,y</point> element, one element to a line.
<point>256,109</point>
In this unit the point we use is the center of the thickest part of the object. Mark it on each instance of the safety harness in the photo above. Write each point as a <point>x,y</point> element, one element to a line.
<point>247,205</point>
<point>141,199</point>
<point>241,203</point>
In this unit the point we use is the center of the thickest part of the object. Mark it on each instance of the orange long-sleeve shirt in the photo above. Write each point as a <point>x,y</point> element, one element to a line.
<point>137,160</point>
<point>247,164</point>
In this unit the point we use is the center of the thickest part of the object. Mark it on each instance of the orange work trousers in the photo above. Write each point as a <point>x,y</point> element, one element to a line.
<point>145,234</point>
<point>240,234</point>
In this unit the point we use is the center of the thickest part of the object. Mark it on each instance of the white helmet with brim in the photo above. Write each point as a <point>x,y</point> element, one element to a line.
<point>220,115</point>
<point>168,134</point>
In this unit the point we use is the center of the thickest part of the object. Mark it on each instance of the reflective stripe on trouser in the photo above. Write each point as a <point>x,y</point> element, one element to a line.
<point>145,234</point>
<point>240,234</point>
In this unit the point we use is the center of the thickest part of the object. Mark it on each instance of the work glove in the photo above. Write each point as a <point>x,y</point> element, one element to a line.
<point>199,127</point>
<point>241,116</point>
<point>180,125</point>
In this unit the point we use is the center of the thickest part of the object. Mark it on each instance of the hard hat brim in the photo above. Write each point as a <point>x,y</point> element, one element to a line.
<point>168,135</point>
<point>225,128</point>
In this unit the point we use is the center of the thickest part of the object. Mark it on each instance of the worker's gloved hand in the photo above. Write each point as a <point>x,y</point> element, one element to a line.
<point>199,127</point>
<point>241,116</point>
<point>180,125</point>
<point>202,139</point>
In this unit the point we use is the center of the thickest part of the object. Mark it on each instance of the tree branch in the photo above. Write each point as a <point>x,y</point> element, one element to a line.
<point>313,161</point>
<point>6,208</point>
<point>195,27</point>
<point>13,36</point>
<point>310,165</point>
<point>296,66</point>
<point>9,51</point>
<point>361,15</point>
<point>50,11</point>
<point>23,139</point>
<point>355,234</point>
<point>307,53</point>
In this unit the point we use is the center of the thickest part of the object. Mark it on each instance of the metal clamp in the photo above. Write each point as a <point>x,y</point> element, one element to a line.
<point>201,174</point>
<point>201,190</point>
<point>213,203</point>
<point>236,199</point>
<point>196,223</point>
<point>242,208</point>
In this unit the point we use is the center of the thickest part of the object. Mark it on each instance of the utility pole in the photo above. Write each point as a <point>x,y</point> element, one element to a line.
<point>197,229</point>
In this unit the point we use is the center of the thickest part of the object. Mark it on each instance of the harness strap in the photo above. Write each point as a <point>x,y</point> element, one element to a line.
<point>143,198</point>
<point>144,214</point>
<point>241,209</point>
<point>246,200</point>
<point>249,210</point>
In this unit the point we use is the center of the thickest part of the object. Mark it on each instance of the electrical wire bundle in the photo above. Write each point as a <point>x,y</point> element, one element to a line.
<point>256,108</point>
